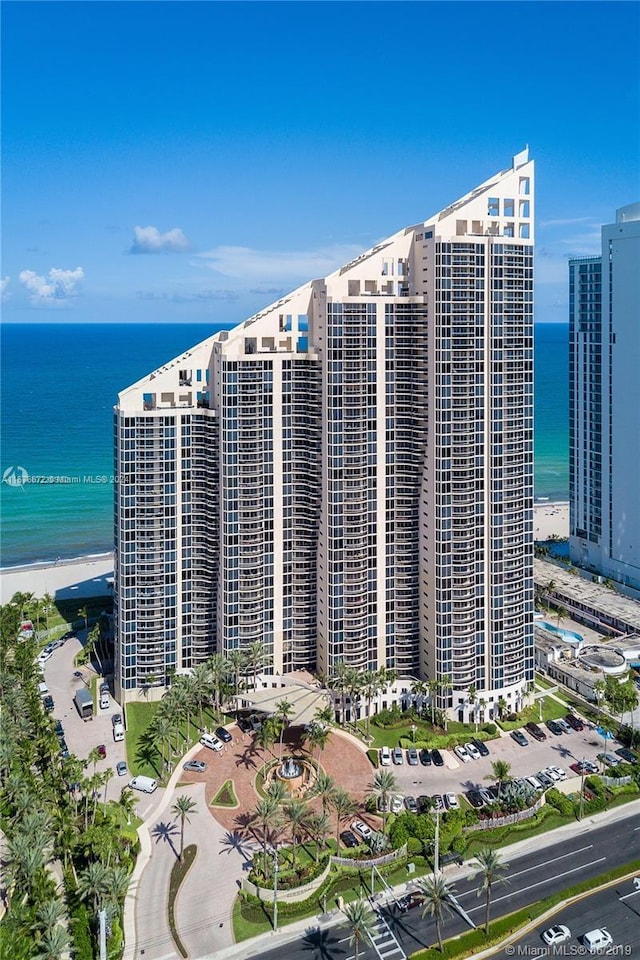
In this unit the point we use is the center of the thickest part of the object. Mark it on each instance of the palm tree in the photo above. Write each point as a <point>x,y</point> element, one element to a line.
<point>127,802</point>
<point>283,711</point>
<point>318,737</point>
<point>502,706</point>
<point>296,814</point>
<point>371,686</point>
<point>49,914</point>
<point>183,806</point>
<point>277,791</point>
<point>382,786</point>
<point>500,770</point>
<point>340,682</point>
<point>491,863</point>
<point>92,883</point>
<point>201,680</point>
<point>257,657</point>
<point>325,788</point>
<point>83,613</point>
<point>162,730</point>
<point>237,663</point>
<point>436,893</point>
<point>472,698</point>
<point>342,805</point>
<point>433,687</point>
<point>561,614</point>
<point>265,737</point>
<point>318,826</point>
<point>445,686</point>
<point>52,945</point>
<point>47,606</point>
<point>94,758</point>
<point>420,689</point>
<point>361,919</point>
<point>267,814</point>
<point>218,669</point>
<point>117,884</point>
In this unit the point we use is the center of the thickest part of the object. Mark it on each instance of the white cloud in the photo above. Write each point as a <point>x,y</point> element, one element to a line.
<point>268,266</point>
<point>57,287</point>
<point>4,283</point>
<point>150,240</point>
<point>569,221</point>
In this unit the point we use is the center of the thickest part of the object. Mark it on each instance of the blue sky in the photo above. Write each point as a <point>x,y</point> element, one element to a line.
<point>192,161</point>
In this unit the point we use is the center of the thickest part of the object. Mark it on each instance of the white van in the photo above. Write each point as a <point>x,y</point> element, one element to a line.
<point>118,732</point>
<point>43,689</point>
<point>598,939</point>
<point>146,784</point>
<point>208,740</point>
<point>105,700</point>
<point>385,757</point>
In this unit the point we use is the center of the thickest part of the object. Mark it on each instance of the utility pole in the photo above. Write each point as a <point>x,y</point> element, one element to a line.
<point>102,918</point>
<point>582,773</point>
<point>436,846</point>
<point>275,889</point>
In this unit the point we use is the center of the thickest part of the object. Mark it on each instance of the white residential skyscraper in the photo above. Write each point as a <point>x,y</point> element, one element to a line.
<point>604,400</point>
<point>348,475</point>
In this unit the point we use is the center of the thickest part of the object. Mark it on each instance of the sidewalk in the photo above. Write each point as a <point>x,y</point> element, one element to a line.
<point>268,941</point>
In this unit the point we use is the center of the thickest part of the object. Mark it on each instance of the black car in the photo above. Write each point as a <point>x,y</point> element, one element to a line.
<point>481,747</point>
<point>424,804</point>
<point>115,719</point>
<point>349,839</point>
<point>223,735</point>
<point>519,738</point>
<point>627,755</point>
<point>574,722</point>
<point>69,635</point>
<point>245,724</point>
<point>437,758</point>
<point>425,758</point>
<point>474,798</point>
<point>554,727</point>
<point>47,703</point>
<point>535,731</point>
<point>409,900</point>
<point>64,749</point>
<point>59,729</point>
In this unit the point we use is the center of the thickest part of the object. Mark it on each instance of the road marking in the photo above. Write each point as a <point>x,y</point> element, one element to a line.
<point>627,895</point>
<point>540,883</point>
<point>537,867</point>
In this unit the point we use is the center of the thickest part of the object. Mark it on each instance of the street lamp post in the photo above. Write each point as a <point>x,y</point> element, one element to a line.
<point>413,732</point>
<point>582,773</point>
<point>436,846</point>
<point>275,889</point>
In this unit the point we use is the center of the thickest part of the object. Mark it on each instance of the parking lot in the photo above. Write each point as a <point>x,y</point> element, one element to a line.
<point>458,777</point>
<point>83,735</point>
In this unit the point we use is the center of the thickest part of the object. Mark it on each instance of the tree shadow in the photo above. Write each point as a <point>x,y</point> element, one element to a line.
<point>166,832</point>
<point>398,923</point>
<point>324,944</point>
<point>147,753</point>
<point>236,843</point>
<point>565,752</point>
<point>247,759</point>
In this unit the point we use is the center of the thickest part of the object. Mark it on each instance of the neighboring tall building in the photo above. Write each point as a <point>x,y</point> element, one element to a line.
<point>348,475</point>
<point>604,400</point>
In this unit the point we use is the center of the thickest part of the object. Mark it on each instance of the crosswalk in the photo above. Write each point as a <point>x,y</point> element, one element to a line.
<point>384,941</point>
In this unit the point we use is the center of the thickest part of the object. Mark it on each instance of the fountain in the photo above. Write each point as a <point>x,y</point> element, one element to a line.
<point>290,769</point>
<point>297,774</point>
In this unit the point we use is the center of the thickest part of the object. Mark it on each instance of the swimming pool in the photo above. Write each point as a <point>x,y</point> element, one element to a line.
<point>567,635</point>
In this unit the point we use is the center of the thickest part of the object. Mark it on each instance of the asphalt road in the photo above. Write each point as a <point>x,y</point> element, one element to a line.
<point>531,877</point>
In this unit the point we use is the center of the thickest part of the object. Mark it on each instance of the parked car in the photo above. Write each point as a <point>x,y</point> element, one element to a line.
<point>481,747</point>
<point>412,757</point>
<point>208,740</point>
<point>385,757</point>
<point>554,727</point>
<point>544,779</point>
<point>59,729</point>
<point>424,804</point>
<point>564,725</point>
<point>475,799</point>
<point>551,772</point>
<point>536,732</point>
<point>451,801</point>
<point>121,768</point>
<point>197,766</point>
<point>438,801</point>
<point>47,703</point>
<point>574,722</point>
<point>69,635</point>
<point>556,934</point>
<point>534,782</point>
<point>627,755</point>
<point>461,753</point>
<point>223,735</point>
<point>411,804</point>
<point>488,794</point>
<point>349,839</point>
<point>559,772</point>
<point>116,719</point>
<point>472,751</point>
<point>409,901</point>
<point>438,760</point>
<point>425,757</point>
<point>397,756</point>
<point>584,766</point>
<point>597,940</point>
<point>102,751</point>
<point>397,803</point>
<point>519,738</point>
<point>362,829</point>
<point>608,759</point>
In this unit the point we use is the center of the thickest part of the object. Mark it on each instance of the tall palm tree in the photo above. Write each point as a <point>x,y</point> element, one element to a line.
<point>265,737</point>
<point>94,758</point>
<point>183,806</point>
<point>445,686</point>
<point>561,614</point>
<point>267,815</point>
<point>257,657</point>
<point>371,686</point>
<point>127,802</point>
<point>382,786</point>
<point>162,730</point>
<point>283,711</point>
<point>491,864</point>
<point>49,915</point>
<point>52,945</point>
<point>500,770</point>
<point>433,686</point>
<point>237,660</point>
<point>92,883</point>
<point>325,788</point>
<point>201,679</point>
<point>361,920</point>
<point>296,815</point>
<point>420,689</point>
<point>319,827</point>
<point>436,893</point>
<point>318,737</point>
<point>83,613</point>
<point>472,698</point>
<point>340,682</point>
<point>117,884</point>
<point>277,791</point>
<point>342,805</point>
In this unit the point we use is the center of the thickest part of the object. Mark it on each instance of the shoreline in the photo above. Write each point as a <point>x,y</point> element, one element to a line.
<point>91,575</point>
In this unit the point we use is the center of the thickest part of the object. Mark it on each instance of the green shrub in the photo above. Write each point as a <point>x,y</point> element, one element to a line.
<point>374,757</point>
<point>561,802</point>
<point>490,728</point>
<point>414,845</point>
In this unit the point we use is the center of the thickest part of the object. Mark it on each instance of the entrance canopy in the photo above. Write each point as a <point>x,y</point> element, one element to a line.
<point>305,701</point>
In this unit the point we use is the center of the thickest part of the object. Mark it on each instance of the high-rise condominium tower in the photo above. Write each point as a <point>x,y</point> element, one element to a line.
<point>604,398</point>
<point>348,475</point>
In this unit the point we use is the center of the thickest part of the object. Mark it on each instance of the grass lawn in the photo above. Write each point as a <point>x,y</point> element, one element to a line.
<point>543,683</point>
<point>124,828</point>
<point>424,732</point>
<point>226,796</point>
<point>178,873</point>
<point>144,757</point>
<point>551,710</point>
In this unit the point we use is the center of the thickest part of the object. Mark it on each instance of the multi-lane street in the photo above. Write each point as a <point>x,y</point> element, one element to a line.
<point>531,877</point>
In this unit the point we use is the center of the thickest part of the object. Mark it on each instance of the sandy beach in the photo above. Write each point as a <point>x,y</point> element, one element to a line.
<point>550,518</point>
<point>64,579</point>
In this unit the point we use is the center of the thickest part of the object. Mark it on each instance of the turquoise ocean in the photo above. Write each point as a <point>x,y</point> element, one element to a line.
<point>59,385</point>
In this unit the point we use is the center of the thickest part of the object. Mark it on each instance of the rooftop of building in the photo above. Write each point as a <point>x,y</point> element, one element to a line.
<point>579,586</point>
